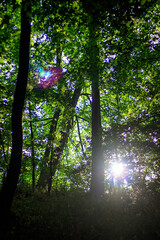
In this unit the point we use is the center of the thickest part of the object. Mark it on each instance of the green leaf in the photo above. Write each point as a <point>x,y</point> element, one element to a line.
<point>2,61</point>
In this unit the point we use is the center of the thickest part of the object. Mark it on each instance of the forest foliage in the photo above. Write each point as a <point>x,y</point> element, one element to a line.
<point>109,52</point>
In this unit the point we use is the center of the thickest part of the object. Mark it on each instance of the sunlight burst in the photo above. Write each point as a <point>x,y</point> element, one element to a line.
<point>117,169</point>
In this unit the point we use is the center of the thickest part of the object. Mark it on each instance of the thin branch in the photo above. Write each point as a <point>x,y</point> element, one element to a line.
<point>82,118</point>
<point>80,139</point>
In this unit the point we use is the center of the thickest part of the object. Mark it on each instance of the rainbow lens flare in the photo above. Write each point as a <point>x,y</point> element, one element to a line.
<point>49,77</point>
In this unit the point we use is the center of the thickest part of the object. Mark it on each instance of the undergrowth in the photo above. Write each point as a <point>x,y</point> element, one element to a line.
<point>74,215</point>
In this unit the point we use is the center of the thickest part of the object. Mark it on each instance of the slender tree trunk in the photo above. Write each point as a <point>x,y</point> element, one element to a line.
<point>97,182</point>
<point>3,148</point>
<point>42,182</point>
<point>4,154</point>
<point>32,149</point>
<point>50,167</point>
<point>58,151</point>
<point>10,184</point>
<point>80,139</point>
<point>51,172</point>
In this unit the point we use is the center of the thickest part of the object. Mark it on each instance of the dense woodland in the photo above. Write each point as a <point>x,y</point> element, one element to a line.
<point>80,159</point>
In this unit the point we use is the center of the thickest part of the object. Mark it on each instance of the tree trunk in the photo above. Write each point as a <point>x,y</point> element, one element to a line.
<point>32,148</point>
<point>58,151</point>
<point>97,181</point>
<point>50,167</point>
<point>42,182</point>
<point>80,139</point>
<point>4,154</point>
<point>10,184</point>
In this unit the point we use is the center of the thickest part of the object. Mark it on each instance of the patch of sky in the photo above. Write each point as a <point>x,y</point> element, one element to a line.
<point>15,27</point>
<point>27,152</point>
<point>149,98</point>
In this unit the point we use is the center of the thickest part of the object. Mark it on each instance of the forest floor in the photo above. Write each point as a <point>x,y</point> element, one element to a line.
<point>74,215</point>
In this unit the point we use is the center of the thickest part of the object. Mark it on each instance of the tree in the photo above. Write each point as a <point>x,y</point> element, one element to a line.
<point>32,148</point>
<point>97,183</point>
<point>10,183</point>
<point>50,166</point>
<point>113,46</point>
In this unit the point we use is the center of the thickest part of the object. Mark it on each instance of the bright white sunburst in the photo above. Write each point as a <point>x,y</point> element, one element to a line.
<point>117,169</point>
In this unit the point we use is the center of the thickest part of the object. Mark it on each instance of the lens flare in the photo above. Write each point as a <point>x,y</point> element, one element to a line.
<point>49,77</point>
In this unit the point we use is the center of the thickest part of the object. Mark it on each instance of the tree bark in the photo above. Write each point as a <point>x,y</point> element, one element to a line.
<point>97,181</point>
<point>10,184</point>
